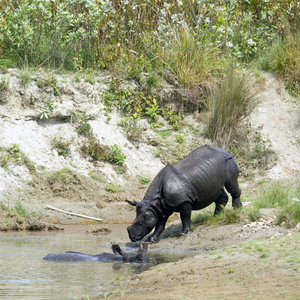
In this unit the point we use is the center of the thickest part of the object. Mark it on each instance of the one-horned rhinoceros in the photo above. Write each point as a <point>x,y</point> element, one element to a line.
<point>139,256</point>
<point>192,183</point>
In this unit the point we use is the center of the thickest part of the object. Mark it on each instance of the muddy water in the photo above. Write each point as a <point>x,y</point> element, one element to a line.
<point>25,275</point>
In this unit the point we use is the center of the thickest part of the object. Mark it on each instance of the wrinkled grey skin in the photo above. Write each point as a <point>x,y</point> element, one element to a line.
<point>139,256</point>
<point>192,183</point>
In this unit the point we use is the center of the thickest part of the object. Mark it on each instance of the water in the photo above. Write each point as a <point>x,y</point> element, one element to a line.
<point>25,275</point>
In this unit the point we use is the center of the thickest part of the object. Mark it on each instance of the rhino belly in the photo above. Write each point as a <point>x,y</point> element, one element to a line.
<point>207,176</point>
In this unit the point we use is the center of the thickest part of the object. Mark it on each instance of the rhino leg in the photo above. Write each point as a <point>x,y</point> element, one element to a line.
<point>221,202</point>
<point>236,202</point>
<point>160,226</point>
<point>232,185</point>
<point>185,216</point>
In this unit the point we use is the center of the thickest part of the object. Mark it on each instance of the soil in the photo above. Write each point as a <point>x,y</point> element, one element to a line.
<point>97,189</point>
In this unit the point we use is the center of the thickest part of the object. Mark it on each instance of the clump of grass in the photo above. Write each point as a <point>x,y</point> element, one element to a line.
<point>274,195</point>
<point>282,57</point>
<point>49,80</point>
<point>4,83</point>
<point>144,180</point>
<point>191,58</point>
<point>229,103</point>
<point>14,155</point>
<point>97,151</point>
<point>61,145</point>
<point>65,176</point>
<point>25,76</point>
<point>23,210</point>
<point>285,197</point>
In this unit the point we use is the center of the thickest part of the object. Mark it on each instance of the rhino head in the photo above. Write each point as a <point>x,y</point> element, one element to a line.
<point>140,256</point>
<point>146,219</point>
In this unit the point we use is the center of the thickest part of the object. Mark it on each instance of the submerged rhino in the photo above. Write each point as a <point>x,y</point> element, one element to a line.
<point>139,256</point>
<point>192,183</point>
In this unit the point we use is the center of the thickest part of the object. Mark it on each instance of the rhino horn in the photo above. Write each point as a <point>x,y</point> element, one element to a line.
<point>133,203</point>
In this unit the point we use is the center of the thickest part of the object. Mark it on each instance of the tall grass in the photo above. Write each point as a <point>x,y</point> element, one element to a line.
<point>193,59</point>
<point>229,103</point>
<point>283,58</point>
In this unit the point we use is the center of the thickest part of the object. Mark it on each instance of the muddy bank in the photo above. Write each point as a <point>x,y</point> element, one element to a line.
<point>257,264</point>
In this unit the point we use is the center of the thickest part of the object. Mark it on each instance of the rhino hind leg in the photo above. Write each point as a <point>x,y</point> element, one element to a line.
<point>221,202</point>
<point>236,202</point>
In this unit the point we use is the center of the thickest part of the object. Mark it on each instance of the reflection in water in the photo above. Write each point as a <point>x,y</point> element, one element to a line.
<point>25,275</point>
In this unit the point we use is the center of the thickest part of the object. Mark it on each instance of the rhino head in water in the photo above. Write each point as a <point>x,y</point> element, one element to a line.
<point>139,256</point>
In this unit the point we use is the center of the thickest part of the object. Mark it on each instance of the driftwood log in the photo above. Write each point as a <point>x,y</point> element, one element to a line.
<point>73,214</point>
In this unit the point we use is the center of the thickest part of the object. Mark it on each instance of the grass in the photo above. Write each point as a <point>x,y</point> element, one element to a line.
<point>285,249</point>
<point>192,59</point>
<point>229,104</point>
<point>61,145</point>
<point>25,76</point>
<point>283,196</point>
<point>282,58</point>
<point>14,155</point>
<point>4,83</point>
<point>206,217</point>
<point>64,176</point>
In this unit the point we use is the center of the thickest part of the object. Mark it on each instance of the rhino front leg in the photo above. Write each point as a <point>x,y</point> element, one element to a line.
<point>160,226</point>
<point>185,216</point>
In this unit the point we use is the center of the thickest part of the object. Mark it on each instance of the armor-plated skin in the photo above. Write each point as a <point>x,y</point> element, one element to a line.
<point>139,256</point>
<point>192,183</point>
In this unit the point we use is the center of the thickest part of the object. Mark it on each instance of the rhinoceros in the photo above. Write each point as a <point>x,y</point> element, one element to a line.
<point>139,256</point>
<point>192,183</point>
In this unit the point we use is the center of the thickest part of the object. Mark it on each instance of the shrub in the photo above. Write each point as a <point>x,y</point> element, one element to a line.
<point>132,128</point>
<point>61,145</point>
<point>112,154</point>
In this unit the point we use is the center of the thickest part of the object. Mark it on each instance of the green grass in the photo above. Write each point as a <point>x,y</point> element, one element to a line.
<point>207,217</point>
<point>282,58</point>
<point>285,197</point>
<point>25,76</point>
<point>191,58</point>
<point>229,104</point>
<point>286,248</point>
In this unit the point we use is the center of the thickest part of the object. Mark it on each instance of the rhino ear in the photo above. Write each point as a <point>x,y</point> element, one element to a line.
<point>143,247</point>
<point>117,250</point>
<point>133,203</point>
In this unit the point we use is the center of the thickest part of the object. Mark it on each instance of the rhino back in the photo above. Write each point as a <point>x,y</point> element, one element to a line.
<point>205,169</point>
<point>78,256</point>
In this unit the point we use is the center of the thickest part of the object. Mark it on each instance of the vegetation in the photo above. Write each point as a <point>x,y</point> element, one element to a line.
<point>194,39</point>
<point>61,145</point>
<point>4,83</point>
<point>283,196</point>
<point>13,155</point>
<point>229,104</point>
